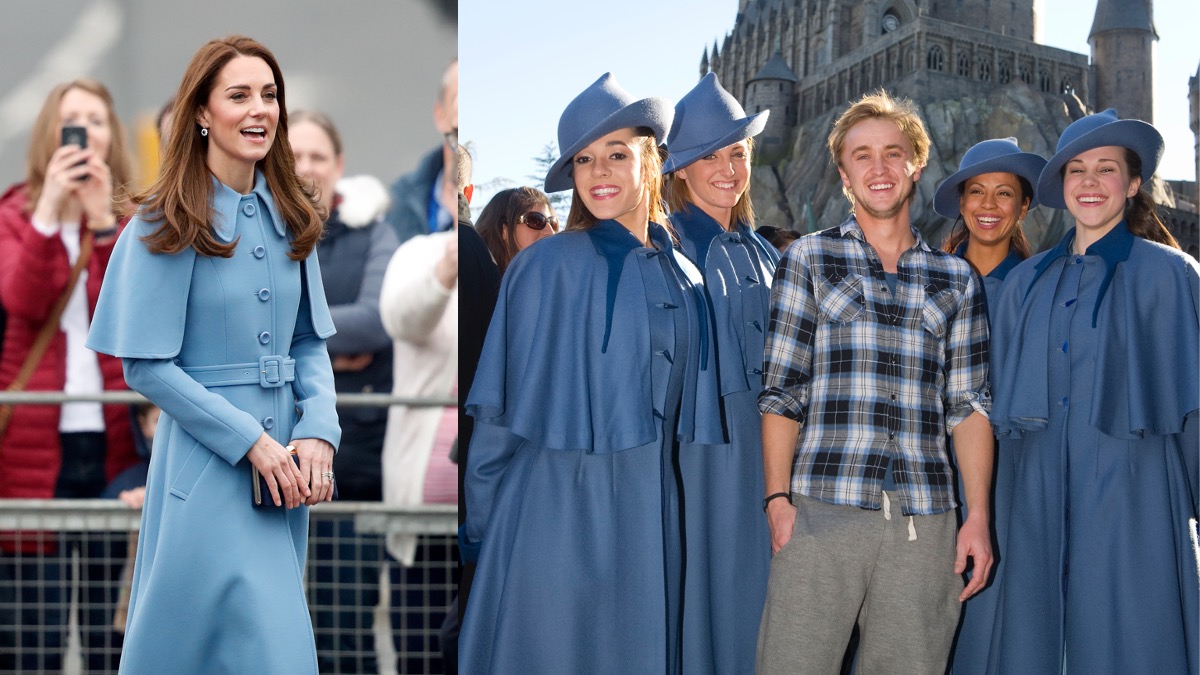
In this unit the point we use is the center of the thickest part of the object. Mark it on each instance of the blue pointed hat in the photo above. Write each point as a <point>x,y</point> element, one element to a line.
<point>707,119</point>
<point>1097,131</point>
<point>602,109</point>
<point>990,156</point>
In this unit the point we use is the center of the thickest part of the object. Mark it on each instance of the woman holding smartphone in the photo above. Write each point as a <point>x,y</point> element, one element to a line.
<point>62,218</point>
<point>215,304</point>
<point>595,376</point>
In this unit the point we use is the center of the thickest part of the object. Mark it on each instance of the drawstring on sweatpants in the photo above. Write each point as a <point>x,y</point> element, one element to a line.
<point>887,515</point>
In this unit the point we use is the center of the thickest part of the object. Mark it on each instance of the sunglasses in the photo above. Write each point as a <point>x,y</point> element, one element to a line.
<point>535,220</point>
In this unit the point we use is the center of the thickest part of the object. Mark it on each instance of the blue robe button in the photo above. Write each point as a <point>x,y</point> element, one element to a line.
<point>264,337</point>
<point>264,294</point>
<point>259,252</point>
<point>268,423</point>
<point>248,209</point>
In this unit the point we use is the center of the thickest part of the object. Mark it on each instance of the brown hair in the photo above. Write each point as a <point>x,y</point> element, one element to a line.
<point>45,139</point>
<point>677,194</point>
<point>321,120</point>
<point>880,105</point>
<point>1018,242</point>
<point>181,197</point>
<point>582,219</point>
<point>1140,213</point>
<point>498,221</point>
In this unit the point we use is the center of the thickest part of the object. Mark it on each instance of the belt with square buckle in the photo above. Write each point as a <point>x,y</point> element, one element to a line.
<point>270,372</point>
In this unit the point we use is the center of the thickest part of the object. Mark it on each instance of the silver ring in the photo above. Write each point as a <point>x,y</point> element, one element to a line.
<point>327,474</point>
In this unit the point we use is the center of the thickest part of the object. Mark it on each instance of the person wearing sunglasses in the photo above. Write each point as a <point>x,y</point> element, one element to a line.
<point>596,375</point>
<point>514,219</point>
<point>728,541</point>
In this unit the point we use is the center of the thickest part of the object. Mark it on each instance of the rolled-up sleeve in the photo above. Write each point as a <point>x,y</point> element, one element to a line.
<point>788,351</point>
<point>968,380</point>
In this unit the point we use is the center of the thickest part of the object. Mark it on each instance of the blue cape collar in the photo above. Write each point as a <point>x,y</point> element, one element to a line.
<point>1113,248</point>
<point>226,202</point>
<point>999,271</point>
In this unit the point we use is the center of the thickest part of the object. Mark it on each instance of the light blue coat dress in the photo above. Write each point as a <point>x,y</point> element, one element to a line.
<point>227,348</point>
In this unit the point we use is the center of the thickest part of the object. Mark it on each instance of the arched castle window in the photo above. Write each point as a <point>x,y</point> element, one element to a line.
<point>1066,86</point>
<point>1044,81</point>
<point>964,65</point>
<point>1026,74</point>
<point>984,68</point>
<point>936,59</point>
<point>910,59</point>
<point>1005,75</point>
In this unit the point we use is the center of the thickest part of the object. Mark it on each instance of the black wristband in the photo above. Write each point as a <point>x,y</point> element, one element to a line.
<point>100,234</point>
<point>766,501</point>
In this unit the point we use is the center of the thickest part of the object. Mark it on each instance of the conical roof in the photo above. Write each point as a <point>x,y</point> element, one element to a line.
<point>775,69</point>
<point>1123,15</point>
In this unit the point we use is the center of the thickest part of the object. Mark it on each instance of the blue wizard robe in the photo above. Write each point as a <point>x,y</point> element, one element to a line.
<point>594,379</point>
<point>728,539</point>
<point>228,348</point>
<point>1096,400</point>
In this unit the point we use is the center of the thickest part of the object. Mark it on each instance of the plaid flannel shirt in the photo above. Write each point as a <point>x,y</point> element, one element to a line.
<point>870,375</point>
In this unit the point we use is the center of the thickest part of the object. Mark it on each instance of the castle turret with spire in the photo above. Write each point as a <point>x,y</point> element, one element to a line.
<point>1122,40</point>
<point>973,67</point>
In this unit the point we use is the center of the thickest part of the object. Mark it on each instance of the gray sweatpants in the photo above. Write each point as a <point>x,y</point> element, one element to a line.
<point>892,573</point>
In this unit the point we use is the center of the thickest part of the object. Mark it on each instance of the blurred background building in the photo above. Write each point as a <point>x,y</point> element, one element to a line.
<point>374,66</point>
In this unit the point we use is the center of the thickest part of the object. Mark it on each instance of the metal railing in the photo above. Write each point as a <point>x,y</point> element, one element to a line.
<point>62,610</point>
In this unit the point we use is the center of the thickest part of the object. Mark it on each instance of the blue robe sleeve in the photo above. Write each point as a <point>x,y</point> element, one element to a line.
<point>313,387</point>
<point>543,373</point>
<point>1148,351</point>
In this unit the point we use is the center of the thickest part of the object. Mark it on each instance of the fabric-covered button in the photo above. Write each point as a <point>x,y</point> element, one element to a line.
<point>264,294</point>
<point>268,422</point>
<point>248,209</point>
<point>264,337</point>
<point>259,252</point>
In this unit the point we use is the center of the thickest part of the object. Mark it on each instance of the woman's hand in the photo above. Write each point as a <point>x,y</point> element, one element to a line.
<point>96,195</point>
<point>63,178</point>
<point>283,477</point>
<point>316,465</point>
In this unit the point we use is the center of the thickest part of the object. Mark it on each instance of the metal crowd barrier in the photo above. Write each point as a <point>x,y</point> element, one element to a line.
<point>61,612</point>
<point>370,614</point>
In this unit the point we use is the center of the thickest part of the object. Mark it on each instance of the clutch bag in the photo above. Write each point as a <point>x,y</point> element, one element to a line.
<point>261,493</point>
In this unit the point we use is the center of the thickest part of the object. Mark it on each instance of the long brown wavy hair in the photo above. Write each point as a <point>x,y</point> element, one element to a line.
<point>44,140</point>
<point>581,219</point>
<point>1140,213</point>
<point>181,197</point>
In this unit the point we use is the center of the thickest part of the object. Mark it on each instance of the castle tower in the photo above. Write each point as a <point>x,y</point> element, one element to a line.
<point>1122,40</point>
<point>773,88</point>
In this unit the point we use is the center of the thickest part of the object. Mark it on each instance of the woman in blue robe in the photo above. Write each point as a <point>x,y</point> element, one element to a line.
<point>1096,348</point>
<point>214,302</point>
<point>990,195</point>
<point>728,542</point>
<point>588,390</point>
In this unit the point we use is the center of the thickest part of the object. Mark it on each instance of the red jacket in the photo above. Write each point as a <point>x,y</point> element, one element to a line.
<point>34,271</point>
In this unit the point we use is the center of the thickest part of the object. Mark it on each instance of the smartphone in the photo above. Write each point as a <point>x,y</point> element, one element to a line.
<point>72,135</point>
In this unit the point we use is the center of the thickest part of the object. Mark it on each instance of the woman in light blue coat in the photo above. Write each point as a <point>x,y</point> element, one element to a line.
<point>216,307</point>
